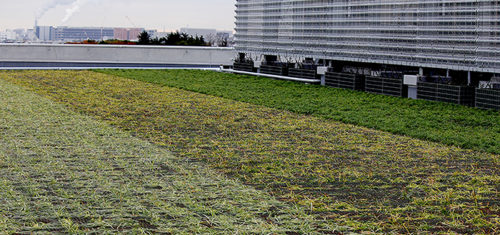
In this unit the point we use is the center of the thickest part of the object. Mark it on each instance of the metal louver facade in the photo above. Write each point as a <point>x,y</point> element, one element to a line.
<point>447,34</point>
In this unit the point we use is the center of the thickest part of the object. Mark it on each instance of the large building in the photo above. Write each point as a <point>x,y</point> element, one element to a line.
<point>45,33</point>
<point>452,35</point>
<point>72,34</point>
<point>130,34</point>
<point>76,34</point>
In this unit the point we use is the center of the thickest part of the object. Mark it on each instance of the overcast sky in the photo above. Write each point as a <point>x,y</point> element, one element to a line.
<point>152,14</point>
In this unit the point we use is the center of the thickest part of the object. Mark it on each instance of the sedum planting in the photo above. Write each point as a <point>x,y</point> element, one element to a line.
<point>62,172</point>
<point>450,124</point>
<point>359,178</point>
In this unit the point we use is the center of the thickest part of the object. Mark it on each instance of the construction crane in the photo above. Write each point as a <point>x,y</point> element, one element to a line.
<point>131,22</point>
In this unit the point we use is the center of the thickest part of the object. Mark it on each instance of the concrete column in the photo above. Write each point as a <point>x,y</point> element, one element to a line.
<point>447,73</point>
<point>421,71</point>
<point>323,79</point>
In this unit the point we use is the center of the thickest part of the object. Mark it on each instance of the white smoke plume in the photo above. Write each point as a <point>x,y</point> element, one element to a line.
<point>50,5</point>
<point>75,7</point>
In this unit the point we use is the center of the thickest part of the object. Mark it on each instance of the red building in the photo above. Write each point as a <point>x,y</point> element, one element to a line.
<point>130,34</point>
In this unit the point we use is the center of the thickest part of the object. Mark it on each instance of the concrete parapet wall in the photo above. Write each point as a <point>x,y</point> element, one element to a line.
<point>117,54</point>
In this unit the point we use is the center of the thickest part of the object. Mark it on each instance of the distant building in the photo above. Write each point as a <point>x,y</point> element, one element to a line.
<point>151,32</point>
<point>45,33</point>
<point>12,36</point>
<point>21,33</point>
<point>161,34</point>
<point>78,34</point>
<point>30,35</point>
<point>73,34</point>
<point>127,33</point>
<point>206,33</point>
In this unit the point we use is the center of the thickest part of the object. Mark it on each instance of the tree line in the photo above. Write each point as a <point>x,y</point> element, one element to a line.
<point>172,39</point>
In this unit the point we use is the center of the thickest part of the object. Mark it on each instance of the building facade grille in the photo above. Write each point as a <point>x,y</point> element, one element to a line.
<point>448,34</point>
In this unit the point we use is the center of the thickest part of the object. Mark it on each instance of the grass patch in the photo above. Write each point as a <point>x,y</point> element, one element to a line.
<point>62,172</point>
<point>440,122</point>
<point>365,179</point>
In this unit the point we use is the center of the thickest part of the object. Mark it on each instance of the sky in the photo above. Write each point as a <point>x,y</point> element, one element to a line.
<point>164,15</point>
